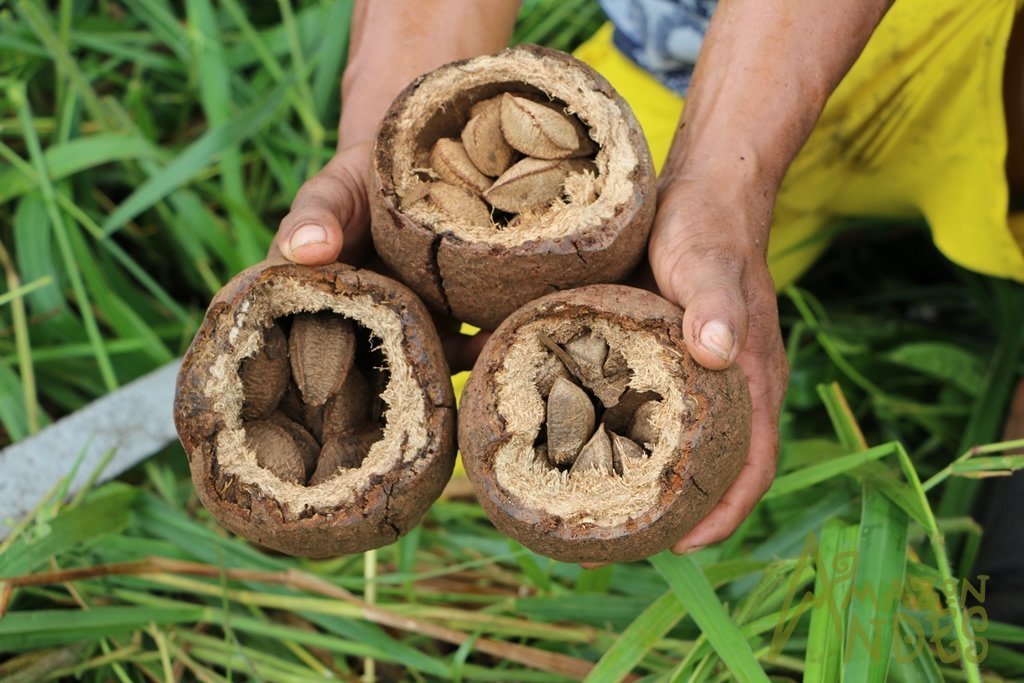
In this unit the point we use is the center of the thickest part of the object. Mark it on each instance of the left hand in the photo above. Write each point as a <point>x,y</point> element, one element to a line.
<point>704,259</point>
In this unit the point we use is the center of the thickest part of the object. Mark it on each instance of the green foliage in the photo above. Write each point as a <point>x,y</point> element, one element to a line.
<point>149,149</point>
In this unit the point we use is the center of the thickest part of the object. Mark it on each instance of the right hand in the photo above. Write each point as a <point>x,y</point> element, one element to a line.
<point>329,219</point>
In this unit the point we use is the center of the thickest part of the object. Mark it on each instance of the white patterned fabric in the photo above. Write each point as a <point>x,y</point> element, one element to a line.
<point>662,36</point>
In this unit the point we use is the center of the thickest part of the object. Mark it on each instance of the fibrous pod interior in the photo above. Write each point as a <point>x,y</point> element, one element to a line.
<point>365,423</point>
<point>629,447</point>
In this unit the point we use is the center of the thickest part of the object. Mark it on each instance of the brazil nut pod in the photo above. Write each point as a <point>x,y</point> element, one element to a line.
<point>591,435</point>
<point>502,178</point>
<point>349,451</point>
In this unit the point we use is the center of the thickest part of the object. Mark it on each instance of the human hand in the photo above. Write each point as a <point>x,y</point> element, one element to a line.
<point>703,258</point>
<point>330,216</point>
<point>330,220</point>
<point>751,105</point>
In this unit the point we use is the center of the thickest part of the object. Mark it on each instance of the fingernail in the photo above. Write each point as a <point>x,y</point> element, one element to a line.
<point>717,338</point>
<point>687,550</point>
<point>306,235</point>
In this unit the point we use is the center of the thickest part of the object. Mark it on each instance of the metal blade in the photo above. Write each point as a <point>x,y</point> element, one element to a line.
<point>135,420</point>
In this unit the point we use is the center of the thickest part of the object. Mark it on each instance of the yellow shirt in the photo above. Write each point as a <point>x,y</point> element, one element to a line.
<point>915,130</point>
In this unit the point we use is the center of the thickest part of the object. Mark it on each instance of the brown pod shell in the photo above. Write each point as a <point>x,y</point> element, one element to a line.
<point>704,431</point>
<point>480,274</point>
<point>355,511</point>
<point>265,375</point>
<point>321,348</point>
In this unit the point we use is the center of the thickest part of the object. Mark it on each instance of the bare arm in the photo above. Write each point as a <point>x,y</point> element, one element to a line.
<point>393,42</point>
<point>764,74</point>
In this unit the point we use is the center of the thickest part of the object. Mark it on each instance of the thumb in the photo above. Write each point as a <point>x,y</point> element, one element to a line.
<point>708,284</point>
<point>329,211</point>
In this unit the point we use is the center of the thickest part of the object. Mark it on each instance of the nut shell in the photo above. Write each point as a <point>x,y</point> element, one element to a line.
<point>320,348</point>
<point>479,274</point>
<point>265,375</point>
<point>405,472</point>
<point>536,130</point>
<point>276,450</point>
<point>451,162</point>
<point>309,449</point>
<point>485,145</point>
<point>527,184</point>
<point>694,469</point>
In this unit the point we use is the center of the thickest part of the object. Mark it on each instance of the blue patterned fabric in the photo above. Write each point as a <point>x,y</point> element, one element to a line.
<point>662,36</point>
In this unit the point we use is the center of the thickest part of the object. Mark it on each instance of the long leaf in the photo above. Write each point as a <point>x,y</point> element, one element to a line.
<point>876,590</point>
<point>693,590</point>
<point>825,639</point>
<point>633,643</point>
<point>193,159</point>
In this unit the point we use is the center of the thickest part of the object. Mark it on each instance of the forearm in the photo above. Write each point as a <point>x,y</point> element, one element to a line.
<point>765,71</point>
<point>394,41</point>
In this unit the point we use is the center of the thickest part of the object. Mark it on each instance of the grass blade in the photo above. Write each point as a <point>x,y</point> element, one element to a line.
<point>106,512</point>
<point>18,95</point>
<point>15,296</point>
<point>876,590</point>
<point>827,634</point>
<point>815,474</point>
<point>693,590</point>
<point>193,159</point>
<point>67,159</point>
<point>634,643</point>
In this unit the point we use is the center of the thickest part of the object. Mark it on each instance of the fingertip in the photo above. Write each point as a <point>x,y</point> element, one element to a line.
<point>685,548</point>
<point>712,343</point>
<point>312,244</point>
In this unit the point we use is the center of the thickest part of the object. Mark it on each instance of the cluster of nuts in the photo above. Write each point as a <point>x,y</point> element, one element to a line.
<point>495,204</point>
<point>572,374</point>
<point>308,409</point>
<point>515,155</point>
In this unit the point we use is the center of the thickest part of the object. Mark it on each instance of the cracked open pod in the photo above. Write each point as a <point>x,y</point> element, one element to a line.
<point>502,178</point>
<point>589,432</point>
<point>316,409</point>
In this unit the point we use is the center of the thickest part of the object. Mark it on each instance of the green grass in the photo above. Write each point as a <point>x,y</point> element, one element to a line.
<point>148,150</point>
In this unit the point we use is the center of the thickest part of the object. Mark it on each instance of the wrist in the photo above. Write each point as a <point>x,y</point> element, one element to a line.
<point>395,42</point>
<point>715,203</point>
